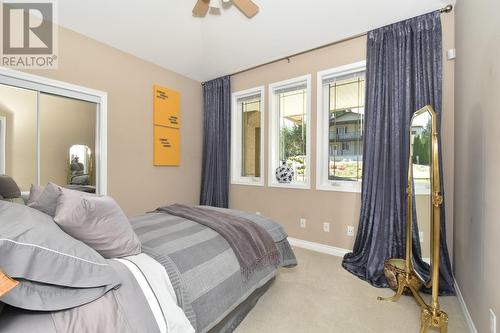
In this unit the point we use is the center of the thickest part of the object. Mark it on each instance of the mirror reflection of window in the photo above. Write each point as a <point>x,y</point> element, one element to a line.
<point>421,148</point>
<point>420,139</point>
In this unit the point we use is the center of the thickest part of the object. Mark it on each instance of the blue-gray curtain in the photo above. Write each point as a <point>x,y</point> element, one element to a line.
<point>216,142</point>
<point>403,74</point>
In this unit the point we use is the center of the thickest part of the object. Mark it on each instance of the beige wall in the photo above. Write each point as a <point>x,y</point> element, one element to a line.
<point>338,208</point>
<point>18,106</point>
<point>477,158</point>
<point>133,181</point>
<point>64,122</point>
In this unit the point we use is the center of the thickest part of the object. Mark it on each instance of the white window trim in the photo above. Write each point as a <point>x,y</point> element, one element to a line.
<point>322,135</point>
<point>236,138</point>
<point>274,139</point>
<point>42,84</point>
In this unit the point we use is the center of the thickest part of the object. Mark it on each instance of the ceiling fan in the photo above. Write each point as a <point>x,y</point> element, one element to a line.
<point>248,7</point>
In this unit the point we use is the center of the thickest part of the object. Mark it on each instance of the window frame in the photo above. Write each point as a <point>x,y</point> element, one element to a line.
<point>274,132</point>
<point>237,137</point>
<point>322,132</point>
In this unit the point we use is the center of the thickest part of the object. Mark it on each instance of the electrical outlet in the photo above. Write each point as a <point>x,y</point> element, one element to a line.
<point>421,236</point>
<point>350,231</point>
<point>493,322</point>
<point>302,222</point>
<point>257,213</point>
<point>326,227</point>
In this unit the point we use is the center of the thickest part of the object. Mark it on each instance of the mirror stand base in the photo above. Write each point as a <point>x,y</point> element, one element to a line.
<point>408,279</point>
<point>433,318</point>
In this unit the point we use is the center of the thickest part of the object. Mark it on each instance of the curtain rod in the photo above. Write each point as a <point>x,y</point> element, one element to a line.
<point>446,9</point>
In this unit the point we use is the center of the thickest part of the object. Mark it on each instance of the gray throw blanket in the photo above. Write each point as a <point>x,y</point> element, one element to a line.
<point>253,245</point>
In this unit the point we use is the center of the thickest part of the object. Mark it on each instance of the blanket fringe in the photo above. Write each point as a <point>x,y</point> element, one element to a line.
<point>270,258</point>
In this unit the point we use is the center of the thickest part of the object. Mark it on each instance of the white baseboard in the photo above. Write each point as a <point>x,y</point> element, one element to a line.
<point>463,305</point>
<point>331,250</point>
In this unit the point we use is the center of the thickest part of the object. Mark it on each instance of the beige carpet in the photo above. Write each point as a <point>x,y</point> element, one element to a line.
<point>320,296</point>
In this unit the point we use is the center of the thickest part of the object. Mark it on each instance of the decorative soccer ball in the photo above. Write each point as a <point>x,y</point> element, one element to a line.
<point>284,174</point>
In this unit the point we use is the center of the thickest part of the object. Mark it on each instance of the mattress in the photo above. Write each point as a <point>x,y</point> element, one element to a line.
<point>203,268</point>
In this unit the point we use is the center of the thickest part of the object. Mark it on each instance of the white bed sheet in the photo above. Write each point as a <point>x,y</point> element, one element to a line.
<point>157,288</point>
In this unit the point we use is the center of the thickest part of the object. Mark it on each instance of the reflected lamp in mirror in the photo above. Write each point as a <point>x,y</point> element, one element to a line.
<point>80,166</point>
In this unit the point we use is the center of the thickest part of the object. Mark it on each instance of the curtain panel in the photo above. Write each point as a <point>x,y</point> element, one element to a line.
<point>404,73</point>
<point>216,142</point>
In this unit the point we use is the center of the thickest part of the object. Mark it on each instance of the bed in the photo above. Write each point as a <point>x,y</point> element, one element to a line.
<point>184,263</point>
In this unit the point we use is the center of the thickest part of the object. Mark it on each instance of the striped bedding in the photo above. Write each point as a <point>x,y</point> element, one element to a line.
<point>202,267</point>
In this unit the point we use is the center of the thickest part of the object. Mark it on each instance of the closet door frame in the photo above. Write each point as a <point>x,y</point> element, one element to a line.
<point>41,84</point>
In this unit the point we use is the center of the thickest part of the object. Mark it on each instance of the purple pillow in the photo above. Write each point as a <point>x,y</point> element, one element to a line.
<point>99,222</point>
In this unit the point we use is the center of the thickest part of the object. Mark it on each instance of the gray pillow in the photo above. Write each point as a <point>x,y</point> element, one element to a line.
<point>47,201</point>
<point>9,188</point>
<point>55,271</point>
<point>35,192</point>
<point>97,221</point>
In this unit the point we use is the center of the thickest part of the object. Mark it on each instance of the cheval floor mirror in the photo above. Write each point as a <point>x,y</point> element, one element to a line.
<point>423,173</point>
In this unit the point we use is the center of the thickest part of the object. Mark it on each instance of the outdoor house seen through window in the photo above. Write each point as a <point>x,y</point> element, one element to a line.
<point>340,128</point>
<point>247,145</point>
<point>290,131</point>
<point>421,152</point>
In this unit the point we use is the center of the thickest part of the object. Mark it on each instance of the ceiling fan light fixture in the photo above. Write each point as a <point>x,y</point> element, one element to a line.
<point>217,4</point>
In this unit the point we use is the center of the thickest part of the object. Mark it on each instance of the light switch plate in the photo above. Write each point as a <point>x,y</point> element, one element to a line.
<point>326,227</point>
<point>451,54</point>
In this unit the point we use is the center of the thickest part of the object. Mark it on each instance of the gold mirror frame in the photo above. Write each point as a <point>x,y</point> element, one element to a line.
<point>431,314</point>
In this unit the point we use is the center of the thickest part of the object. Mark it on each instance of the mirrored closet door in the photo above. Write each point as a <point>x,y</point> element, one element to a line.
<point>48,137</point>
<point>67,141</point>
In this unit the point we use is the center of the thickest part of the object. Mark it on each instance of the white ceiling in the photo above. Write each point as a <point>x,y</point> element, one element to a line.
<point>165,32</point>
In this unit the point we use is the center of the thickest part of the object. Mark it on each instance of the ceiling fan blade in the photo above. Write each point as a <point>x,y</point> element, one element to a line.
<point>201,8</point>
<point>248,7</point>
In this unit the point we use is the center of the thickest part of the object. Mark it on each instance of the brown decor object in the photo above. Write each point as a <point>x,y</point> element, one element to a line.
<point>6,283</point>
<point>393,268</point>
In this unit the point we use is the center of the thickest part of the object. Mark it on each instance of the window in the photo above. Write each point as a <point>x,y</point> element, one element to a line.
<point>247,142</point>
<point>289,133</point>
<point>341,98</point>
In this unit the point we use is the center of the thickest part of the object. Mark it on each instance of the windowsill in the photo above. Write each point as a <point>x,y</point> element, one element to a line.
<point>248,181</point>
<point>340,186</point>
<point>299,186</point>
